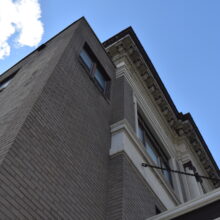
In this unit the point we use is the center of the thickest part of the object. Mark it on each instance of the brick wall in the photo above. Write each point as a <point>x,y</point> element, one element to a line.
<point>55,139</point>
<point>122,102</point>
<point>56,166</point>
<point>22,92</point>
<point>129,196</point>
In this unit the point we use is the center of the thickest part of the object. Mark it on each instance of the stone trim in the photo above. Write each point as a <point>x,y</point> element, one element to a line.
<point>126,44</point>
<point>125,140</point>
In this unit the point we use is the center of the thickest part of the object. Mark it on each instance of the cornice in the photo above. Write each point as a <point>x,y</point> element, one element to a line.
<point>127,44</point>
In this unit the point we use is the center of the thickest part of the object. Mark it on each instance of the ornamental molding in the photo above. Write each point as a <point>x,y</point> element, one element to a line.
<point>180,125</point>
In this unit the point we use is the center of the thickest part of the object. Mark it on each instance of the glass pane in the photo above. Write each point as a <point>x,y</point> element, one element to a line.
<point>86,58</point>
<point>4,85</point>
<point>100,79</point>
<point>166,173</point>
<point>151,151</point>
<point>140,133</point>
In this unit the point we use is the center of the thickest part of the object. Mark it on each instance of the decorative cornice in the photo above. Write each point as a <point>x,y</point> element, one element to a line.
<point>126,44</point>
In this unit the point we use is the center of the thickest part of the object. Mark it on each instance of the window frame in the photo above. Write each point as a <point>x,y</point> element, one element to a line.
<point>7,80</point>
<point>96,66</point>
<point>161,159</point>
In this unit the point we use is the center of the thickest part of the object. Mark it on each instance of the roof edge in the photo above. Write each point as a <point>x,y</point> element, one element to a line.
<point>184,117</point>
<point>78,20</point>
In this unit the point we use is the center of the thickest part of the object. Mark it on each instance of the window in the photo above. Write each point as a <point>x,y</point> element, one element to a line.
<point>157,210</point>
<point>6,81</point>
<point>203,188</point>
<point>99,77</point>
<point>41,47</point>
<point>86,59</point>
<point>4,84</point>
<point>153,149</point>
<point>96,71</point>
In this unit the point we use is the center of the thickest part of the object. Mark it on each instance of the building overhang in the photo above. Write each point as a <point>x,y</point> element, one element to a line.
<point>190,207</point>
<point>127,44</point>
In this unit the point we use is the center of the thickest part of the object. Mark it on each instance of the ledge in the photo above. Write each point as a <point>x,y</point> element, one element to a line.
<point>124,139</point>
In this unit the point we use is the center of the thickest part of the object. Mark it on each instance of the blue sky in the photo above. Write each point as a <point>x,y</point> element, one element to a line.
<point>182,38</point>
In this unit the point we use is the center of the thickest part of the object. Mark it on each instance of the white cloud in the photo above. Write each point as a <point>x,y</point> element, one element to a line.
<point>22,17</point>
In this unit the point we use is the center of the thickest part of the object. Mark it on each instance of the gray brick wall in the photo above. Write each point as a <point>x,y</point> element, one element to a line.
<point>129,197</point>
<point>115,189</point>
<point>55,139</point>
<point>122,102</point>
<point>56,166</point>
<point>17,100</point>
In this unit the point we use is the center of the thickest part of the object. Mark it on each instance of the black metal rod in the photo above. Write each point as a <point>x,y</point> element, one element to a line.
<point>180,172</point>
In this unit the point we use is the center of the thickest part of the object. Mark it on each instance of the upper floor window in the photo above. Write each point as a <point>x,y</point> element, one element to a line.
<point>87,59</point>
<point>157,210</point>
<point>99,77</point>
<point>6,81</point>
<point>96,71</point>
<point>4,84</point>
<point>153,149</point>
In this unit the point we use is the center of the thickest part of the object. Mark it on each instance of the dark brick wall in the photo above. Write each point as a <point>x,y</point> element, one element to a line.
<point>55,139</point>
<point>129,197</point>
<point>56,167</point>
<point>122,102</point>
<point>115,188</point>
<point>18,98</point>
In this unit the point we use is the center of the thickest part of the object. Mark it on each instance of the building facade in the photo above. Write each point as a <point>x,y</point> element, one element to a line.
<point>80,123</point>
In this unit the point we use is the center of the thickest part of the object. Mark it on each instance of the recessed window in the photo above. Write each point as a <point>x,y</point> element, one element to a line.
<point>41,47</point>
<point>157,210</point>
<point>203,188</point>
<point>4,85</point>
<point>95,69</point>
<point>99,77</point>
<point>153,149</point>
<point>6,81</point>
<point>86,58</point>
<point>166,173</point>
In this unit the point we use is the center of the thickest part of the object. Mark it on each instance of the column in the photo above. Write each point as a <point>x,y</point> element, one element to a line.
<point>192,182</point>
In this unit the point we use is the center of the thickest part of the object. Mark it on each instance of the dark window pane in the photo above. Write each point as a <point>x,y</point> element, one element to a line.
<point>203,188</point>
<point>86,58</point>
<point>140,132</point>
<point>100,79</point>
<point>157,210</point>
<point>4,85</point>
<point>166,173</point>
<point>151,152</point>
<point>154,151</point>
